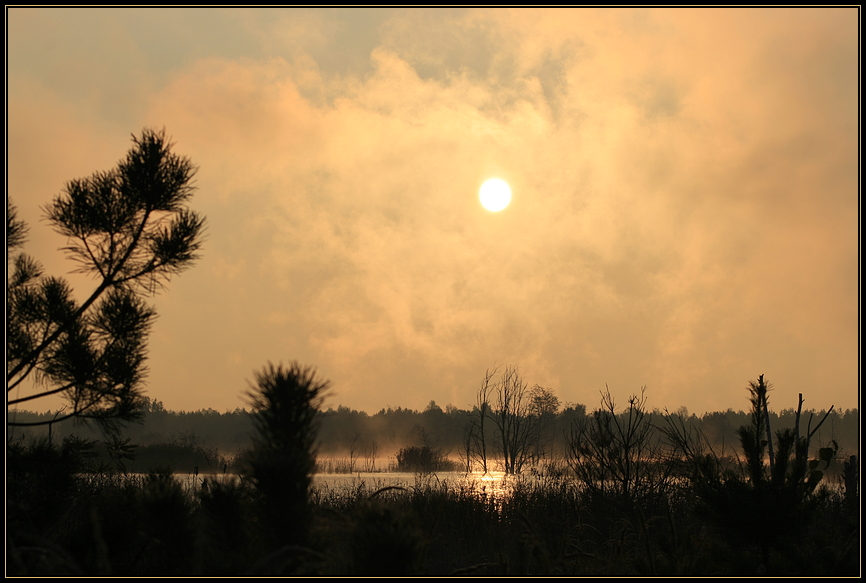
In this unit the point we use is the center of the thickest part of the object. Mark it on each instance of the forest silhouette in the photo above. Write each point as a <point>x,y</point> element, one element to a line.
<point>373,440</point>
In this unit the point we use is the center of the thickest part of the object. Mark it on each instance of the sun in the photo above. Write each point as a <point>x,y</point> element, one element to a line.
<point>494,194</point>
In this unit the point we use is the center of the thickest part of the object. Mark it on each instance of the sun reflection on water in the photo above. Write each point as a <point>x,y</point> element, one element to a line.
<point>492,485</point>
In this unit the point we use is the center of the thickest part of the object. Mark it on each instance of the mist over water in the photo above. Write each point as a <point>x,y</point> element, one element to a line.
<point>492,484</point>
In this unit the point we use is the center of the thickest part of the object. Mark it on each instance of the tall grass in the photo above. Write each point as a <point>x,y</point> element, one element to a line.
<point>529,526</point>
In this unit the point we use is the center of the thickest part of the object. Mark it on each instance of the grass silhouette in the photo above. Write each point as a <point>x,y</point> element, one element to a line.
<point>269,519</point>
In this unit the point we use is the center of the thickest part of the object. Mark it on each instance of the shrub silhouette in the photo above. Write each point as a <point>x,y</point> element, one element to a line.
<point>385,540</point>
<point>421,459</point>
<point>165,513</point>
<point>618,455</point>
<point>285,402</point>
<point>225,540</point>
<point>773,498</point>
<point>42,480</point>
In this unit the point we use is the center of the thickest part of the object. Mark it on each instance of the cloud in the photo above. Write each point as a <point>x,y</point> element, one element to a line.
<point>684,188</point>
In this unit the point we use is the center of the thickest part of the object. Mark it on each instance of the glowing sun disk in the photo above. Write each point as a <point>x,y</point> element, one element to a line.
<point>494,194</point>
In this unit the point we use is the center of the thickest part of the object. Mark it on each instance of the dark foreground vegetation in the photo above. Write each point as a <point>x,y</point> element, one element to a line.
<point>632,495</point>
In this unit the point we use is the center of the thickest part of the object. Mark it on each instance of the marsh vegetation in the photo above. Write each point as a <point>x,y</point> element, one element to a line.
<point>633,493</point>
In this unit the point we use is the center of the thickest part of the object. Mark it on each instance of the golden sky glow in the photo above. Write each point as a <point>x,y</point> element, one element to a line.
<point>685,211</point>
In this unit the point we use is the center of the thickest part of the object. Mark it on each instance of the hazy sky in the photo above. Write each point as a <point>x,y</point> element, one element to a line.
<point>685,212</point>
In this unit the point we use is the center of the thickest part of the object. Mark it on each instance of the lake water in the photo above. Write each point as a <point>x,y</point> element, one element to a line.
<point>494,483</point>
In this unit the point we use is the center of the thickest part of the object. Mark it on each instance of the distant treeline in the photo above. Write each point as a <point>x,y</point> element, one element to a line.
<point>347,432</point>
